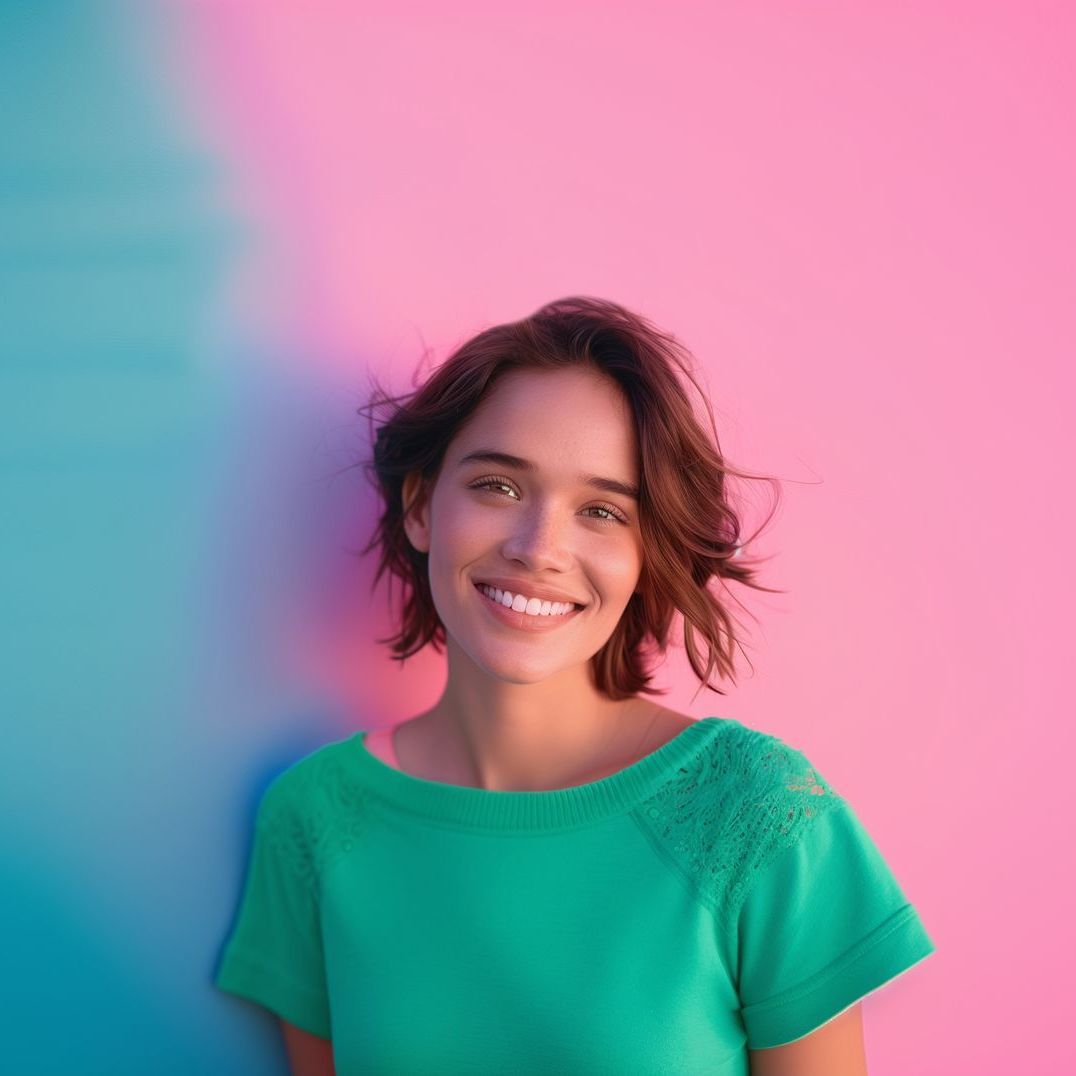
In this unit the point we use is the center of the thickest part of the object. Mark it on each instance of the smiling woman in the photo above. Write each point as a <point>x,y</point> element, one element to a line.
<point>538,533</point>
<point>547,871</point>
<point>617,398</point>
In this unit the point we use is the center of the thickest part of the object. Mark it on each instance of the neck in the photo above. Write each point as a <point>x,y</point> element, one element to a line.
<point>524,737</point>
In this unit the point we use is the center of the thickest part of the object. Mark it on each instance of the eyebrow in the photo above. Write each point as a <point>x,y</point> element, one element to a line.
<point>505,459</point>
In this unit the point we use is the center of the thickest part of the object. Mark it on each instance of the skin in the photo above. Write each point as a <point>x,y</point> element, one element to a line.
<point>308,1055</point>
<point>834,1049</point>
<point>520,711</point>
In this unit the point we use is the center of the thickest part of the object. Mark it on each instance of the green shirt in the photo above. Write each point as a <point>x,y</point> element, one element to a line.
<point>715,896</point>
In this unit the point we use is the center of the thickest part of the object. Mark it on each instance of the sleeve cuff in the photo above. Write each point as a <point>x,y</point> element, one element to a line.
<point>249,979</point>
<point>888,951</point>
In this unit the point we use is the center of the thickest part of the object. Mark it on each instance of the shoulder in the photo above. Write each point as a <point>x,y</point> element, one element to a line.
<point>776,767</point>
<point>742,761</point>
<point>737,759</point>
<point>785,794</point>
<point>742,797</point>
<point>307,807</point>
<point>314,773</point>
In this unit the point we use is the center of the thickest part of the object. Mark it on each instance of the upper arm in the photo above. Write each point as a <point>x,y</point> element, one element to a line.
<point>834,1049</point>
<point>309,1055</point>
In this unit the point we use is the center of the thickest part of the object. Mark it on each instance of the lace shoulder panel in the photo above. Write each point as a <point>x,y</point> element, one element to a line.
<point>310,814</point>
<point>744,797</point>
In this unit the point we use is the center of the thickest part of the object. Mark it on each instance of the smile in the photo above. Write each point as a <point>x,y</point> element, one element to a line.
<point>556,613</point>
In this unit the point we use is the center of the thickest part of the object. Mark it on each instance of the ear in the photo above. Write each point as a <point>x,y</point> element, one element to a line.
<point>415,514</point>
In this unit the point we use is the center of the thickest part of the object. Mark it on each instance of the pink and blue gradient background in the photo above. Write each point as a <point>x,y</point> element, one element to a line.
<point>220,217</point>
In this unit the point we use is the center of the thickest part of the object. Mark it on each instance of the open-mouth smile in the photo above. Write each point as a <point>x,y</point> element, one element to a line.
<point>523,620</point>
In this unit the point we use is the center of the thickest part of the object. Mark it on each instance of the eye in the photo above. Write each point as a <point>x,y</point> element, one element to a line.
<point>616,516</point>
<point>489,483</point>
<point>613,515</point>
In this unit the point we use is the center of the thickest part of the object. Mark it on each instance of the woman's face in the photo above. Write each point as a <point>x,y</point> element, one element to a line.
<point>539,522</point>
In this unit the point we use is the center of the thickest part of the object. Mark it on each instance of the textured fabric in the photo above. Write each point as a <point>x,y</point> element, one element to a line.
<point>714,897</point>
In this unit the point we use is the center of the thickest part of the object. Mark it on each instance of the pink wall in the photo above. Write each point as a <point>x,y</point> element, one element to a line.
<point>860,219</point>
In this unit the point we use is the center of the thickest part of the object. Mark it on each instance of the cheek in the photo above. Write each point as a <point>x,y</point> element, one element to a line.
<point>618,566</point>
<point>460,531</point>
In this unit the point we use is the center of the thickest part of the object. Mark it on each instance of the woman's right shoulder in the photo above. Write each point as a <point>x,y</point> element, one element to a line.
<point>308,776</point>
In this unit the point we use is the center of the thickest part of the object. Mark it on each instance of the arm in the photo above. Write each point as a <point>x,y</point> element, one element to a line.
<point>309,1055</point>
<point>834,1049</point>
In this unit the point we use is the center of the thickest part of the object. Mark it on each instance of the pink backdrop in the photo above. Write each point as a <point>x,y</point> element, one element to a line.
<point>860,219</point>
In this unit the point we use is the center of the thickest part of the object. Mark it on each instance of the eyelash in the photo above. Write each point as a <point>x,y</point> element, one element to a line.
<point>497,480</point>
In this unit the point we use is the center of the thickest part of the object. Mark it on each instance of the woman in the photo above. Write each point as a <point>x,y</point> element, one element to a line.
<point>547,871</point>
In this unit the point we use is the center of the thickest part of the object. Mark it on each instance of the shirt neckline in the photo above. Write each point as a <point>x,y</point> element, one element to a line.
<point>559,808</point>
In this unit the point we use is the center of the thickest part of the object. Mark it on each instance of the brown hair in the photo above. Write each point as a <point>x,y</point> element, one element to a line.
<point>690,529</point>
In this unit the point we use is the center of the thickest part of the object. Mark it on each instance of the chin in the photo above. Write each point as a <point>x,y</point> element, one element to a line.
<point>517,672</point>
<point>513,668</point>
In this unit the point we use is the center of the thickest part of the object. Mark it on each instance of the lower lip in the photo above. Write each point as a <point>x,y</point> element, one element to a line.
<point>524,621</point>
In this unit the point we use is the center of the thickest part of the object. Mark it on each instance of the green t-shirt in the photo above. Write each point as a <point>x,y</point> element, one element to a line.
<point>715,896</point>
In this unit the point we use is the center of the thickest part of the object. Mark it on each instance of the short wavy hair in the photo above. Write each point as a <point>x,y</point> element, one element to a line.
<point>691,530</point>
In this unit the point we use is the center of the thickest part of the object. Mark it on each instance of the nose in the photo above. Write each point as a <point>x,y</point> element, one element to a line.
<point>540,540</point>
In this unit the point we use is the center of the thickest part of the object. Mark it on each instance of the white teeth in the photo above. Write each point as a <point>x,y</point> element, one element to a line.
<point>530,606</point>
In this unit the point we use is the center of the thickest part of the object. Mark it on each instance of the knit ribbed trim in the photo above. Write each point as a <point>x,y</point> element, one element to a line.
<point>551,809</point>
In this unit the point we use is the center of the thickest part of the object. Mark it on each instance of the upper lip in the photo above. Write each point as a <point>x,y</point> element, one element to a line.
<point>530,590</point>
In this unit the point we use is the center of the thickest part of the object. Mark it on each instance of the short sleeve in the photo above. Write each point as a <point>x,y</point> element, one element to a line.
<point>274,955</point>
<point>823,924</point>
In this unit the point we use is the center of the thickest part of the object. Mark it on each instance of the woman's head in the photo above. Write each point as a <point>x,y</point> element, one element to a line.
<point>518,505</point>
<point>616,499</point>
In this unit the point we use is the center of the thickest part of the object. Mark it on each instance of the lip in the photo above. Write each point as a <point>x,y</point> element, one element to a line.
<point>523,621</point>
<point>532,590</point>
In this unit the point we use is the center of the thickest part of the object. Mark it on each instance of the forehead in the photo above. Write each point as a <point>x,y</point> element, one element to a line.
<point>559,419</point>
